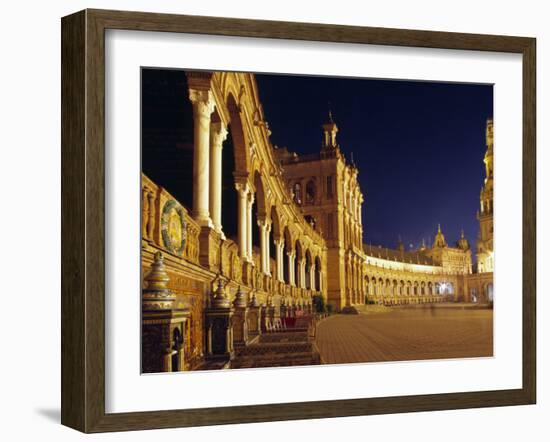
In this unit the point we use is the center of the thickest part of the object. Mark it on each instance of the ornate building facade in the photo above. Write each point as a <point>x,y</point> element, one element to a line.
<point>426,275</point>
<point>325,187</point>
<point>480,284</point>
<point>237,233</point>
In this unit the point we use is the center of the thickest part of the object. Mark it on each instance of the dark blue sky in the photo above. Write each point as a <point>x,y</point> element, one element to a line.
<point>418,146</point>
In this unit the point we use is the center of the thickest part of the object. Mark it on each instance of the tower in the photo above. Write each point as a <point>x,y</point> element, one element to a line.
<point>439,241</point>
<point>462,243</point>
<point>485,261</point>
<point>331,203</point>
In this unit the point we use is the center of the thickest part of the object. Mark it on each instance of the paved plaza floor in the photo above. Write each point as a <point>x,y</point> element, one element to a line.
<point>406,334</point>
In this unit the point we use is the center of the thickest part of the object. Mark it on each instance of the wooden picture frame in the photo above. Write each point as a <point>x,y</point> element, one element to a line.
<point>83,220</point>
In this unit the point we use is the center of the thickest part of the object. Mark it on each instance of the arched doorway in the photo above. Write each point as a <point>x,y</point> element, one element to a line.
<point>318,270</point>
<point>177,344</point>
<point>286,252</point>
<point>298,277</point>
<point>309,262</point>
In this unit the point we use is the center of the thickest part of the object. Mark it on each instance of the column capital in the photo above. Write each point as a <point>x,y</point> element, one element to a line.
<point>264,222</point>
<point>203,101</point>
<point>243,188</point>
<point>251,197</point>
<point>218,133</point>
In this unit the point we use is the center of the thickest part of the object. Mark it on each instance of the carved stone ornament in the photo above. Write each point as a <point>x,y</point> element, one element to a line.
<point>174,227</point>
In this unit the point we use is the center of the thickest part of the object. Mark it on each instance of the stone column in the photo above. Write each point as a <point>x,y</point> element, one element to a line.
<point>264,245</point>
<point>267,249</point>
<point>203,106</point>
<point>151,220</point>
<point>218,134</point>
<point>291,269</point>
<point>279,246</point>
<point>242,189</point>
<point>250,202</point>
<point>144,212</point>
<point>265,229</point>
<point>302,265</point>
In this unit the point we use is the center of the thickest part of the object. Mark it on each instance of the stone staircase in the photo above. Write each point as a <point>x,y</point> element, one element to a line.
<point>279,349</point>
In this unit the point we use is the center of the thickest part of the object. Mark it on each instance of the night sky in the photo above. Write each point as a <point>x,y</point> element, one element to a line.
<point>419,147</point>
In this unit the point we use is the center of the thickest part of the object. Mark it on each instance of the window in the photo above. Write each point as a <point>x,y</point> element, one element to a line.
<point>330,190</point>
<point>310,192</point>
<point>297,193</point>
<point>311,221</point>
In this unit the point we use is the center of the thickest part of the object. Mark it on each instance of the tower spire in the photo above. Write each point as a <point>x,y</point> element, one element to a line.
<point>439,238</point>
<point>329,132</point>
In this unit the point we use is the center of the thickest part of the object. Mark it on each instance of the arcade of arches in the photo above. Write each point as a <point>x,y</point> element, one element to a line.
<point>237,233</point>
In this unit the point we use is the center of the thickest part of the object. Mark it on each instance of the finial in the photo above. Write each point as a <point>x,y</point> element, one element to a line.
<point>330,119</point>
<point>157,278</point>
<point>240,300</point>
<point>462,233</point>
<point>253,300</point>
<point>156,295</point>
<point>438,228</point>
<point>220,300</point>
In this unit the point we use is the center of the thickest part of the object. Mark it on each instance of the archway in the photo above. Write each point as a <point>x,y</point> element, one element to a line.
<point>275,235</point>
<point>229,192</point>
<point>309,262</point>
<point>241,158</point>
<point>259,219</point>
<point>318,274</point>
<point>287,249</point>
<point>298,263</point>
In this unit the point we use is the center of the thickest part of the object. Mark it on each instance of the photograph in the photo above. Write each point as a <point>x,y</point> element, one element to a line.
<point>275,221</point>
<point>298,220</point>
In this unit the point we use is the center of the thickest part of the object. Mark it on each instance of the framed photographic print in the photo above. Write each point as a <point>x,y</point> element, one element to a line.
<point>268,221</point>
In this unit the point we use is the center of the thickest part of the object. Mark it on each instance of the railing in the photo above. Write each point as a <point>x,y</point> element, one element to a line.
<point>154,199</point>
<point>231,266</point>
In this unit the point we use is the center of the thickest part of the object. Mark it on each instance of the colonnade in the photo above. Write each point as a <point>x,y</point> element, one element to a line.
<point>383,288</point>
<point>355,274</point>
<point>210,129</point>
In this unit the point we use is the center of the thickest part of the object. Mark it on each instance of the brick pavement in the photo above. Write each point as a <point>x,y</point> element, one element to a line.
<point>406,334</point>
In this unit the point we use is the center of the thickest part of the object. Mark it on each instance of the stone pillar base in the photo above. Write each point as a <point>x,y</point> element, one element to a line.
<point>254,321</point>
<point>248,273</point>
<point>240,327</point>
<point>209,249</point>
<point>219,333</point>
